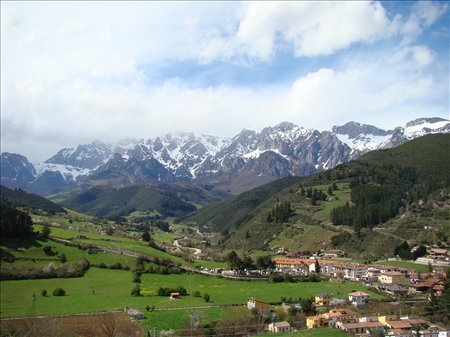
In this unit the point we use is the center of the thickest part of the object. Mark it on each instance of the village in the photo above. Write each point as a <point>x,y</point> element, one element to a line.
<point>397,283</point>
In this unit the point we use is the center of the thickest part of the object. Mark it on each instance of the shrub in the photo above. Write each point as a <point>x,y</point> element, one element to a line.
<point>59,292</point>
<point>136,291</point>
<point>206,297</point>
<point>47,249</point>
<point>44,292</point>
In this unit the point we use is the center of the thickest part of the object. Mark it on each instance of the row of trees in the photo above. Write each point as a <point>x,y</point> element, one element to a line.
<point>236,263</point>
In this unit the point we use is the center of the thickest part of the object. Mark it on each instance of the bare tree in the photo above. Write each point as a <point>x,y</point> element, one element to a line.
<point>42,327</point>
<point>109,324</point>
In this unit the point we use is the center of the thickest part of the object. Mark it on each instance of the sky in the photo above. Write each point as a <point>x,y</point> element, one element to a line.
<point>75,72</point>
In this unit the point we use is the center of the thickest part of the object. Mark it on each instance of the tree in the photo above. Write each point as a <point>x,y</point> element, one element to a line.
<point>233,260</point>
<point>136,291</point>
<point>63,258</point>
<point>44,292</point>
<point>46,231</point>
<point>109,324</point>
<point>59,292</point>
<point>317,266</point>
<point>206,297</point>
<point>47,250</point>
<point>146,236</point>
<point>13,222</point>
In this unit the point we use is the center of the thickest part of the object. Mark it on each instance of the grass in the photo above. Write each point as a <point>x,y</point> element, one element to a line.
<point>342,194</point>
<point>408,265</point>
<point>104,289</point>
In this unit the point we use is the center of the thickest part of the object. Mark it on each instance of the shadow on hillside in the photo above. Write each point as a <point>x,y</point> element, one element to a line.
<point>6,256</point>
<point>30,242</point>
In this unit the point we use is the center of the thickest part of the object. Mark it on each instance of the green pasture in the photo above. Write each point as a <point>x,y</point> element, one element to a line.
<point>210,264</point>
<point>160,236</point>
<point>104,289</point>
<point>307,238</point>
<point>339,198</point>
<point>141,214</point>
<point>125,243</point>
<point>408,265</point>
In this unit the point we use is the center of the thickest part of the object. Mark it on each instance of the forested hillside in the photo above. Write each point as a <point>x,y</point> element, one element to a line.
<point>19,198</point>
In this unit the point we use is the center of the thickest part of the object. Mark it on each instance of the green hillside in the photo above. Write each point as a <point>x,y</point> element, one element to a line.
<point>235,211</point>
<point>19,198</point>
<point>104,202</point>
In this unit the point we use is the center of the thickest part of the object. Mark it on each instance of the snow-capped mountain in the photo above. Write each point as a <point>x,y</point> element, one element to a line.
<point>247,160</point>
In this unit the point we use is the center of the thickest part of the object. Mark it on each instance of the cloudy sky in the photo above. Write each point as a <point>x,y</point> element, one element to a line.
<point>74,72</point>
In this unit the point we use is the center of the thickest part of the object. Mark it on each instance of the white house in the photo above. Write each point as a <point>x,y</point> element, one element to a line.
<point>358,298</point>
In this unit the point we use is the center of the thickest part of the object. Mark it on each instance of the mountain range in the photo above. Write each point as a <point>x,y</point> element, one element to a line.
<point>247,160</point>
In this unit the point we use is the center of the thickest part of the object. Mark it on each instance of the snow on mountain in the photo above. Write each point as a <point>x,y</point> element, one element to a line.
<point>425,126</point>
<point>273,152</point>
<point>69,173</point>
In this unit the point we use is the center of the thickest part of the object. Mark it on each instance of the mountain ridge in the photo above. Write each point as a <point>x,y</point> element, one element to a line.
<point>251,156</point>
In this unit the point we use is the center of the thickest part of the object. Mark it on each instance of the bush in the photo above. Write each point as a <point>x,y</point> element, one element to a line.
<point>206,297</point>
<point>136,291</point>
<point>47,249</point>
<point>59,292</point>
<point>44,292</point>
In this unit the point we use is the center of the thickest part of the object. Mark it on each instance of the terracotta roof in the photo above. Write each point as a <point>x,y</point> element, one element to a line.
<point>362,325</point>
<point>399,325</point>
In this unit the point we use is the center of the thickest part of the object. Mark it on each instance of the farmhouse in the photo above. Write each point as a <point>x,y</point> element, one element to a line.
<point>175,296</point>
<point>263,307</point>
<point>279,327</point>
<point>136,314</point>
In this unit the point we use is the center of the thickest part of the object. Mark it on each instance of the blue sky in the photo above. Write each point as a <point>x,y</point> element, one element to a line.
<point>73,72</point>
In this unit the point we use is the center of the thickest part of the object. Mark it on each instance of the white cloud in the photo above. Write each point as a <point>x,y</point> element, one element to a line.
<point>73,72</point>
<point>308,28</point>
<point>423,14</point>
<point>413,57</point>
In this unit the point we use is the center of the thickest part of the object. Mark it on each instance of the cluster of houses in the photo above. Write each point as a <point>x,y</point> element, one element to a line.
<point>352,322</point>
<point>394,281</point>
<point>390,325</point>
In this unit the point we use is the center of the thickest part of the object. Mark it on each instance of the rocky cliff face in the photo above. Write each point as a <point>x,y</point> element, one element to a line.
<point>245,161</point>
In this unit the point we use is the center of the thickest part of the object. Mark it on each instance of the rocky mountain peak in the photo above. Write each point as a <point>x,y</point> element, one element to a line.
<point>245,161</point>
<point>354,130</point>
<point>421,121</point>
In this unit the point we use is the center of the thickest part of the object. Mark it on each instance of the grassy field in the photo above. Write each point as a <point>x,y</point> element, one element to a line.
<point>408,265</point>
<point>104,289</point>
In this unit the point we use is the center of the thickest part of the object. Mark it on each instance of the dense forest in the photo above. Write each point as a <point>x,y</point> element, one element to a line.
<point>14,223</point>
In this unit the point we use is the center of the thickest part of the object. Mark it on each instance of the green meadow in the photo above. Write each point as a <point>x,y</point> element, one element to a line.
<point>104,289</point>
<point>109,290</point>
